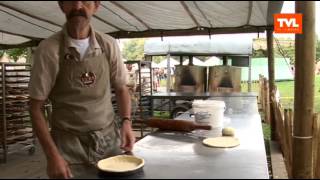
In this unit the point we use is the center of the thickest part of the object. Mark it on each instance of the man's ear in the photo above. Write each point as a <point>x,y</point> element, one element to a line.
<point>97,5</point>
<point>60,5</point>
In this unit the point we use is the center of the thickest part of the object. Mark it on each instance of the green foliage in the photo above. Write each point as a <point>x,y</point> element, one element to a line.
<point>1,53</point>
<point>259,53</point>
<point>134,49</point>
<point>16,53</point>
<point>158,59</point>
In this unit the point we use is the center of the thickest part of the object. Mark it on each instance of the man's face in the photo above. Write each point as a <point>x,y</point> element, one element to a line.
<point>129,67</point>
<point>79,13</point>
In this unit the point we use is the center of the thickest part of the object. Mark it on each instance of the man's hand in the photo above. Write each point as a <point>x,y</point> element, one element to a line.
<point>57,167</point>
<point>127,136</point>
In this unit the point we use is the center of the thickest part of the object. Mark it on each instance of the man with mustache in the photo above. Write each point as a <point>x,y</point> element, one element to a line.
<point>76,68</point>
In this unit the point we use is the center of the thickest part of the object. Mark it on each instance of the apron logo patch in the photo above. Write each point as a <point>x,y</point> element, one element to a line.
<point>68,56</point>
<point>88,78</point>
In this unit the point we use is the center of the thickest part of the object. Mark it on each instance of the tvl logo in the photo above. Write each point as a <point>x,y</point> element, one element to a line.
<point>288,23</point>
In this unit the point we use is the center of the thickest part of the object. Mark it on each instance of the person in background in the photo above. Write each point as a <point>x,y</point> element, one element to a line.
<point>76,68</point>
<point>132,86</point>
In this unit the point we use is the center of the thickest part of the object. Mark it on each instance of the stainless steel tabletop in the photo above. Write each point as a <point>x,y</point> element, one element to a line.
<point>182,155</point>
<point>192,95</point>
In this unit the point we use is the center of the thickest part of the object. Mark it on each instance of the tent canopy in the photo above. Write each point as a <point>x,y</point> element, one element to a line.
<point>22,21</point>
<point>199,46</point>
<point>213,61</point>
<point>163,63</point>
<point>195,61</point>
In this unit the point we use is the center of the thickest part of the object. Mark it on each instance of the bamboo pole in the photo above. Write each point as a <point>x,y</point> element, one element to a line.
<point>271,80</point>
<point>304,91</point>
<point>262,98</point>
<point>317,160</point>
<point>288,142</point>
<point>267,102</point>
<point>315,147</point>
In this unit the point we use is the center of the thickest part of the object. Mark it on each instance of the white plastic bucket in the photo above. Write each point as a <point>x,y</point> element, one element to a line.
<point>209,112</point>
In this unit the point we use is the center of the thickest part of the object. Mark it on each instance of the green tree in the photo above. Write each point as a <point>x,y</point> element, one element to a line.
<point>17,53</point>
<point>134,49</point>
<point>1,53</point>
<point>259,53</point>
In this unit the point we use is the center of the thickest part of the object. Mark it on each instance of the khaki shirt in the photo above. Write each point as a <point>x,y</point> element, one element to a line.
<point>46,62</point>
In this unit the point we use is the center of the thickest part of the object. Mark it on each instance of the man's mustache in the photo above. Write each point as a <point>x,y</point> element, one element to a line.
<point>77,13</point>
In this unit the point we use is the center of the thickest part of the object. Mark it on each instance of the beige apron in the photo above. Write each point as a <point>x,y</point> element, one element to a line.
<point>83,120</point>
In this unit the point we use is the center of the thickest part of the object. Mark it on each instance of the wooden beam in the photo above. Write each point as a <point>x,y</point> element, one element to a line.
<point>271,82</point>
<point>22,45</point>
<point>188,32</point>
<point>186,8</point>
<point>304,92</point>
<point>30,15</point>
<point>129,12</point>
<point>21,35</point>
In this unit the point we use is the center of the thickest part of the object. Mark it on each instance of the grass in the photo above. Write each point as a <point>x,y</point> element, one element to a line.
<point>266,131</point>
<point>161,114</point>
<point>286,89</point>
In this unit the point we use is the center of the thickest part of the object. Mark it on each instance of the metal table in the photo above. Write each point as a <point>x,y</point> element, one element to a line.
<point>183,156</point>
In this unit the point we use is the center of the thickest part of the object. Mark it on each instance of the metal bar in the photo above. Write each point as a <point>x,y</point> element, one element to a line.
<point>189,32</point>
<point>249,12</point>
<point>168,73</point>
<point>204,16</point>
<point>109,9</point>
<point>131,13</point>
<point>249,78</point>
<point>186,8</point>
<point>4,115</point>
<point>108,23</point>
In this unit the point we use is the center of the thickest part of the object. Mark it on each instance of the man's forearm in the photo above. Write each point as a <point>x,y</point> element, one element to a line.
<point>124,101</point>
<point>42,132</point>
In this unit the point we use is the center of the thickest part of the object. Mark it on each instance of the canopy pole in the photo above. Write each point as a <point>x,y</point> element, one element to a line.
<point>271,81</point>
<point>225,60</point>
<point>190,60</point>
<point>168,73</point>
<point>249,75</point>
<point>304,91</point>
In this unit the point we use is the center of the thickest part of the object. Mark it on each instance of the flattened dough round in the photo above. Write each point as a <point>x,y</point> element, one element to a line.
<point>222,142</point>
<point>121,163</point>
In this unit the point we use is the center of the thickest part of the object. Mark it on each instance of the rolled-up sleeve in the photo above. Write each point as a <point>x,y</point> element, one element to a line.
<point>44,71</point>
<point>118,69</point>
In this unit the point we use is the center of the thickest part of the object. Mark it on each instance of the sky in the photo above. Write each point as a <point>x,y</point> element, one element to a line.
<point>288,7</point>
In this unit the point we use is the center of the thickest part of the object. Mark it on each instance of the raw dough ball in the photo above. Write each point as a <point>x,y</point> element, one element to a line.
<point>222,142</point>
<point>228,131</point>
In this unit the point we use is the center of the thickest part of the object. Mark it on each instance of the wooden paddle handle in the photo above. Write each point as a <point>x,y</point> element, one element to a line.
<point>174,125</point>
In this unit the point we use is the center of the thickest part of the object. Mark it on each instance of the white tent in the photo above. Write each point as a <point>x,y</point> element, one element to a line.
<point>213,61</point>
<point>196,61</point>
<point>35,20</point>
<point>163,63</point>
<point>154,65</point>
